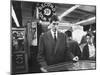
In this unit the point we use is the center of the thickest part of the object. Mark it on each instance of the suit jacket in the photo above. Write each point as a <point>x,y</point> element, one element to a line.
<point>85,54</point>
<point>49,53</point>
<point>74,48</point>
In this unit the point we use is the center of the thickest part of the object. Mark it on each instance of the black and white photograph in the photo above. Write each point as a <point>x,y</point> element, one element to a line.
<point>51,37</point>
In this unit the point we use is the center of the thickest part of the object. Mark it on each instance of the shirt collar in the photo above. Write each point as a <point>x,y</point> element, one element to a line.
<point>53,33</point>
<point>90,45</point>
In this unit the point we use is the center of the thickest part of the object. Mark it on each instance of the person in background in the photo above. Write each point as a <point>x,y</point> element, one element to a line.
<point>89,49</point>
<point>83,42</point>
<point>73,45</point>
<point>53,47</point>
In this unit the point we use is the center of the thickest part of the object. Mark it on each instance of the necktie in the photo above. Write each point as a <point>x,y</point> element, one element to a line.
<point>55,42</point>
<point>55,36</point>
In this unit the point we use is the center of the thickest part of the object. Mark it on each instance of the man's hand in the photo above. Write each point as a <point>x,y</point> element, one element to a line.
<point>76,58</point>
<point>92,58</point>
<point>43,69</point>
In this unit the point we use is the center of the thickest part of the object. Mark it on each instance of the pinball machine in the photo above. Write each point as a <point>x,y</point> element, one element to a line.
<point>73,66</point>
<point>19,51</point>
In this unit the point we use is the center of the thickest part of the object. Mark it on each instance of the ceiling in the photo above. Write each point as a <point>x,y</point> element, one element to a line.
<point>83,12</point>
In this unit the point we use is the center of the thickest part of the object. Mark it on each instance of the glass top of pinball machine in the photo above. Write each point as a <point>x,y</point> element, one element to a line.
<point>72,66</point>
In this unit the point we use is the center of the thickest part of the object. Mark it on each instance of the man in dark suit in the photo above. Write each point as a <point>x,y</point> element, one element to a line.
<point>89,48</point>
<point>73,45</point>
<point>52,46</point>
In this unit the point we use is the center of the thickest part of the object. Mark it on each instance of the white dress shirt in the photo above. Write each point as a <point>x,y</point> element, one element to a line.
<point>53,34</point>
<point>91,50</point>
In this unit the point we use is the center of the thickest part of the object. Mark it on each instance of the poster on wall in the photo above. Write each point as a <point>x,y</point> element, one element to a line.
<point>34,33</point>
<point>18,39</point>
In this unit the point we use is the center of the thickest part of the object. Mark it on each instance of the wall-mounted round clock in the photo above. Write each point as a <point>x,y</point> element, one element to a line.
<point>46,10</point>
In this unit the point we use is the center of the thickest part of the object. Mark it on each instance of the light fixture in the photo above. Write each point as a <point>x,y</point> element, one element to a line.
<point>87,20</point>
<point>14,17</point>
<point>68,11</point>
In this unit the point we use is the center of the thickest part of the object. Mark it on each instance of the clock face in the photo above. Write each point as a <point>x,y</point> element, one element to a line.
<point>46,11</point>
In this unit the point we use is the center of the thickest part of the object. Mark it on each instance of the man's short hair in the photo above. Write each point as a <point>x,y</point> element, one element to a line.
<point>89,34</point>
<point>68,33</point>
<point>54,18</point>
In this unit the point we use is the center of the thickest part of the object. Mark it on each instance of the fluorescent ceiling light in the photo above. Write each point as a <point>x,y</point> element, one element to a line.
<point>14,17</point>
<point>68,11</point>
<point>87,20</point>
